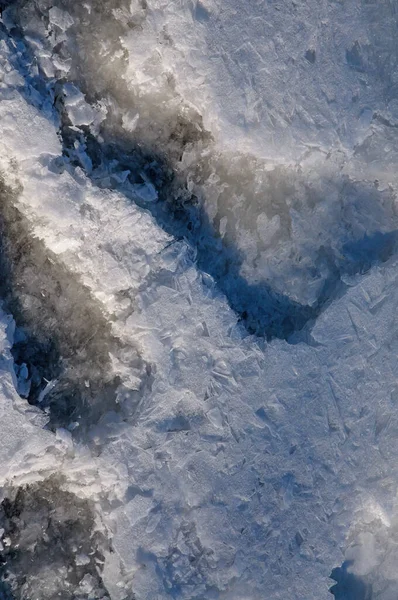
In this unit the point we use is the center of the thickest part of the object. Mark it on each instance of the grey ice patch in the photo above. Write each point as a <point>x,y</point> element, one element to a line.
<point>50,547</point>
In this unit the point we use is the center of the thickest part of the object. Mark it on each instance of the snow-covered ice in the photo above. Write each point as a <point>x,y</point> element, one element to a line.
<point>198,330</point>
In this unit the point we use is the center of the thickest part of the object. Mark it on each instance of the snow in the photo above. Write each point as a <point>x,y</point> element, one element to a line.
<point>198,327</point>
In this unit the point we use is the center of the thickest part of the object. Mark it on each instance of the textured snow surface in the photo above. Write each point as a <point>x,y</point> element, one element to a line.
<point>199,291</point>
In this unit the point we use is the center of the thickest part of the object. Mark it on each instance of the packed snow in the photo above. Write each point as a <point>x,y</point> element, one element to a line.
<point>198,325</point>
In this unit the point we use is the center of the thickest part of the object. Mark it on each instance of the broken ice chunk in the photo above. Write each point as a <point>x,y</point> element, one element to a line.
<point>65,437</point>
<point>87,584</point>
<point>146,192</point>
<point>60,18</point>
<point>47,67</point>
<point>23,379</point>
<point>130,120</point>
<point>267,228</point>
<point>121,176</point>
<point>82,559</point>
<point>62,65</point>
<point>79,111</point>
<point>223,226</point>
<point>215,417</point>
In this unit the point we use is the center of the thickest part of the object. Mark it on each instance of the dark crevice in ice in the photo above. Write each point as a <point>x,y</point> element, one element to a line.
<point>50,545</point>
<point>62,339</point>
<point>261,308</point>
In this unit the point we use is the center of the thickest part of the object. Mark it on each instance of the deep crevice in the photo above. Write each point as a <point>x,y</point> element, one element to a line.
<point>260,306</point>
<point>63,341</point>
<point>263,310</point>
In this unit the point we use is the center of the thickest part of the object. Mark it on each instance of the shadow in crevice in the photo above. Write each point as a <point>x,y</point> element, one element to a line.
<point>261,308</point>
<point>183,214</point>
<point>63,341</point>
<point>51,546</point>
<point>349,586</point>
<point>123,161</point>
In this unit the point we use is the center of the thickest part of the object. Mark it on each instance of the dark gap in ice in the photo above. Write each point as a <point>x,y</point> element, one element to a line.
<point>310,55</point>
<point>349,586</point>
<point>50,545</point>
<point>6,591</point>
<point>369,250</point>
<point>62,339</point>
<point>354,57</point>
<point>261,308</point>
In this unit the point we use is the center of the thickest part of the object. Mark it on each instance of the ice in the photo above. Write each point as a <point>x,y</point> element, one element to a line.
<point>146,192</point>
<point>198,323</point>
<point>60,18</point>
<point>78,110</point>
